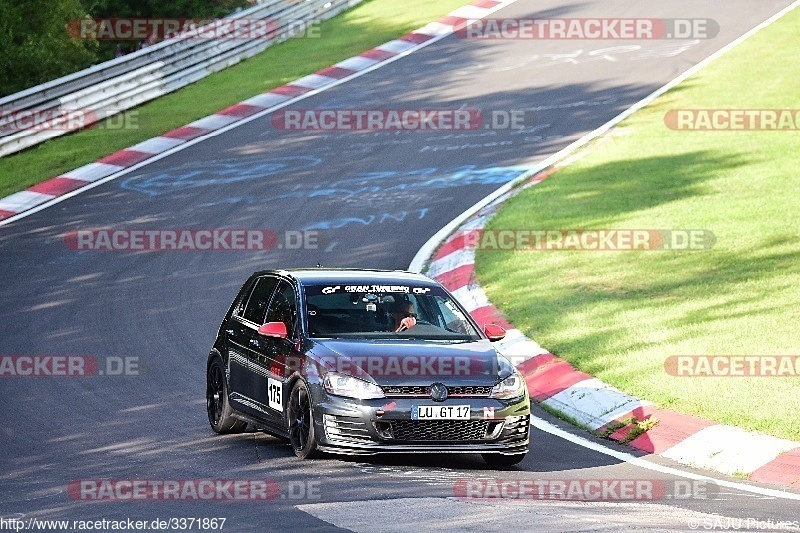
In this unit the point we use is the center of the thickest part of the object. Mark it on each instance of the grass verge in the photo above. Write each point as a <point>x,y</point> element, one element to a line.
<point>367,25</point>
<point>619,315</point>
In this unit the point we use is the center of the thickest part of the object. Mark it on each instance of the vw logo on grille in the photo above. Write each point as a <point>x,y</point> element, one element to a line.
<point>438,392</point>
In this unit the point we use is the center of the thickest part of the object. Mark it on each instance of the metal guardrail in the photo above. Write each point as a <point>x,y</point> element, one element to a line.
<point>91,95</point>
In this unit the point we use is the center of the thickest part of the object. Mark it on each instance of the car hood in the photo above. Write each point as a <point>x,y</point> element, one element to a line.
<point>413,362</point>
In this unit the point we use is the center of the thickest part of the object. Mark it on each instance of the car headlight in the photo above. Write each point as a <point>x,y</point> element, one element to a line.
<point>351,387</point>
<point>511,387</point>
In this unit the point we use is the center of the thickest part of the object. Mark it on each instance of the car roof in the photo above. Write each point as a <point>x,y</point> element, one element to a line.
<point>313,276</point>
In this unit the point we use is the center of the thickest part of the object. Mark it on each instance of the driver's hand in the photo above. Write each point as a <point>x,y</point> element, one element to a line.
<point>406,323</point>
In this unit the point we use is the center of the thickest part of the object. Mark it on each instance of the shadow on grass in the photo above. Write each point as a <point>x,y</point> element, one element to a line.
<point>704,286</point>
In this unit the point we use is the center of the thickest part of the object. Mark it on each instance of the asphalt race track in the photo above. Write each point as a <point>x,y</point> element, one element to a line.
<point>372,200</point>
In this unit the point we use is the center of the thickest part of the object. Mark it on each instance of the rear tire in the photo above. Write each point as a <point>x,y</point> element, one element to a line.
<point>217,406</point>
<point>500,461</point>
<point>301,422</point>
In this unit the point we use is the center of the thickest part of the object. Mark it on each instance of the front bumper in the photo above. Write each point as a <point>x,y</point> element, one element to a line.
<point>358,427</point>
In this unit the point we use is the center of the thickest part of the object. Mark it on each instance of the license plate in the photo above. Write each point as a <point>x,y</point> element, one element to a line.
<point>440,412</point>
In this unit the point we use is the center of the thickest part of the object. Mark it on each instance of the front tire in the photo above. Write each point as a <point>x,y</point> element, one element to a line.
<point>219,410</point>
<point>301,422</point>
<point>498,460</point>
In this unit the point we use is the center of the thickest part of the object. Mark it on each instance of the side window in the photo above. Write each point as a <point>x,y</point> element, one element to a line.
<point>256,306</point>
<point>238,309</point>
<point>284,308</point>
<point>453,318</point>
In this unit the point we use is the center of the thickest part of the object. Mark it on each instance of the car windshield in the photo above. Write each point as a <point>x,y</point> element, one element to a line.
<point>378,311</point>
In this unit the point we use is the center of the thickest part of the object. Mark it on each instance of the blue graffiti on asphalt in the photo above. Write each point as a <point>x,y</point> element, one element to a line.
<point>214,174</point>
<point>437,179</point>
<point>365,192</point>
<point>419,214</point>
<point>361,187</point>
<point>231,200</point>
<point>374,182</point>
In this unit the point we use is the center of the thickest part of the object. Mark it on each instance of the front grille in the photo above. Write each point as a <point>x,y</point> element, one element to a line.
<point>423,391</point>
<point>440,430</point>
<point>515,430</point>
<point>469,391</point>
<point>346,428</point>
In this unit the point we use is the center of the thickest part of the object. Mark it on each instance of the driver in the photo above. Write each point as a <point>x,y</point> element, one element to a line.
<point>404,315</point>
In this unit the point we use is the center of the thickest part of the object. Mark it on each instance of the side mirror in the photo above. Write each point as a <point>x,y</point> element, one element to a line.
<point>494,332</point>
<point>274,329</point>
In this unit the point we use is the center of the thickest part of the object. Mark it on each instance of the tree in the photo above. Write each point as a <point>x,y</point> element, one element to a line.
<point>165,8</point>
<point>156,9</point>
<point>35,46</point>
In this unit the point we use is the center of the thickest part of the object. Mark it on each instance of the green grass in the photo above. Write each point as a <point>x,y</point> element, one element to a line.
<point>619,315</point>
<point>367,25</point>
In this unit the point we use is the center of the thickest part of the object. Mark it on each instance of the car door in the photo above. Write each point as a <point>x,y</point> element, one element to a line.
<point>269,369</point>
<point>243,340</point>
